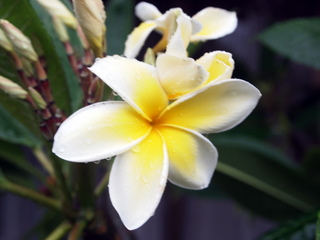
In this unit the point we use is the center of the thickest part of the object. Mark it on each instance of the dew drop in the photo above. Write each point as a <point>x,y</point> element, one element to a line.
<point>96,162</point>
<point>88,141</point>
<point>114,93</point>
<point>138,176</point>
<point>62,149</point>
<point>108,158</point>
<point>144,179</point>
<point>136,149</point>
<point>151,165</point>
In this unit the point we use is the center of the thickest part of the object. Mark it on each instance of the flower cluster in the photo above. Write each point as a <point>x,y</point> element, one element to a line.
<point>156,130</point>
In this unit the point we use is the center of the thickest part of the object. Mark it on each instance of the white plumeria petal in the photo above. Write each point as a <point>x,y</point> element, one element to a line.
<point>219,64</point>
<point>99,131</point>
<point>179,76</point>
<point>179,42</point>
<point>216,23</point>
<point>216,107</point>
<point>147,11</point>
<point>192,157</point>
<point>136,82</point>
<point>137,38</point>
<point>137,180</point>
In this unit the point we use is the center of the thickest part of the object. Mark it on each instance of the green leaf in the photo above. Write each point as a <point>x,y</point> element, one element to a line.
<point>297,39</point>
<point>119,24</point>
<point>262,179</point>
<point>13,155</point>
<point>302,228</point>
<point>14,131</point>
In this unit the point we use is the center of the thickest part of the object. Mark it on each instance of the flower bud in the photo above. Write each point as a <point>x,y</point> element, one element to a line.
<point>55,8</point>
<point>21,44</point>
<point>38,99</point>
<point>4,42</point>
<point>91,16</point>
<point>60,29</point>
<point>12,88</point>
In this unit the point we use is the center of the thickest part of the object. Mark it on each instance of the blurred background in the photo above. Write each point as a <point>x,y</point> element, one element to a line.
<point>267,181</point>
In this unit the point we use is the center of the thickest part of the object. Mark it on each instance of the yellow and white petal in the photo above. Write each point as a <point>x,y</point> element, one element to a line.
<point>215,22</point>
<point>219,64</point>
<point>136,82</point>
<point>214,108</point>
<point>137,38</point>
<point>179,42</point>
<point>192,157</point>
<point>137,180</point>
<point>147,11</point>
<point>179,76</point>
<point>99,131</point>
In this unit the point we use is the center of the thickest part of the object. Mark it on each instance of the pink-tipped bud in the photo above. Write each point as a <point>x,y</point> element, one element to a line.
<point>91,17</point>
<point>60,29</point>
<point>4,42</point>
<point>21,44</point>
<point>57,9</point>
<point>37,98</point>
<point>12,88</point>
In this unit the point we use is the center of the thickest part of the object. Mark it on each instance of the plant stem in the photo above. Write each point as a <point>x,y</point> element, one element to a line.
<point>60,231</point>
<point>30,194</point>
<point>44,161</point>
<point>77,230</point>
<point>84,177</point>
<point>102,184</point>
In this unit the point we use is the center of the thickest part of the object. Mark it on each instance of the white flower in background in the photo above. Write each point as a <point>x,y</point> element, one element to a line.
<point>209,23</point>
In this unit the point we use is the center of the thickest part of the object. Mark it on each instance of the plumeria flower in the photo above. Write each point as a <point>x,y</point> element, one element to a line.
<point>155,139</point>
<point>213,66</point>
<point>209,23</point>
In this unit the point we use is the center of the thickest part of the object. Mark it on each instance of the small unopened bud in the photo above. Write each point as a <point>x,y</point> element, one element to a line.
<point>60,29</point>
<point>22,45</point>
<point>12,88</point>
<point>91,16</point>
<point>38,99</point>
<point>4,42</point>
<point>149,57</point>
<point>55,8</point>
<point>27,67</point>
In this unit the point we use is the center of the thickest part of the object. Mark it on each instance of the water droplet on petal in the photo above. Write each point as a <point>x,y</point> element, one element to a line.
<point>151,165</point>
<point>138,176</point>
<point>108,158</point>
<point>97,162</point>
<point>144,179</point>
<point>62,148</point>
<point>136,149</point>
<point>114,93</point>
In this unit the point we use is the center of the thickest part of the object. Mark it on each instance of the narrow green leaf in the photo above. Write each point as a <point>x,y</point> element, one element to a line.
<point>297,39</point>
<point>262,179</point>
<point>302,228</point>
<point>119,24</point>
<point>14,155</point>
